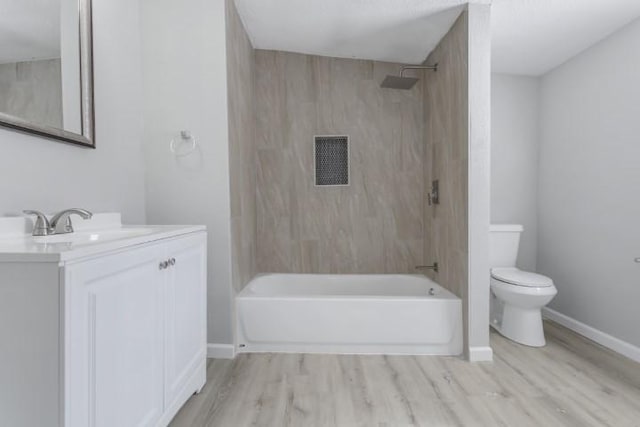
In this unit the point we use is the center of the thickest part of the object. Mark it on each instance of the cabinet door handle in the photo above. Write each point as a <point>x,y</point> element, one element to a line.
<point>166,264</point>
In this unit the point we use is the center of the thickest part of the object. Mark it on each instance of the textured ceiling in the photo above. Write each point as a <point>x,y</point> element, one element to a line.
<point>29,29</point>
<point>403,31</point>
<point>532,37</point>
<point>529,36</point>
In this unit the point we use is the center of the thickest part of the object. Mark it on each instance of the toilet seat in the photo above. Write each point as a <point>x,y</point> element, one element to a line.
<point>516,277</point>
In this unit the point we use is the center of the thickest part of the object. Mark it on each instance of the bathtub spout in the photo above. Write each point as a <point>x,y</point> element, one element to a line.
<point>433,267</point>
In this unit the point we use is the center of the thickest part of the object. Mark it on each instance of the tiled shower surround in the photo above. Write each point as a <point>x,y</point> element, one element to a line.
<point>242,155</point>
<point>400,140</point>
<point>374,225</point>
<point>446,159</point>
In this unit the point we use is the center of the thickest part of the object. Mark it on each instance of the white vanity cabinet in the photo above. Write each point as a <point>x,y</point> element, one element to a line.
<point>116,338</point>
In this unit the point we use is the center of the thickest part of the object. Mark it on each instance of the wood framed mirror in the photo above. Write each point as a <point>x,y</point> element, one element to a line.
<point>46,69</point>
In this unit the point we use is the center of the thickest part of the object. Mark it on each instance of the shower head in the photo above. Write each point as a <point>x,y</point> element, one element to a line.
<point>402,82</point>
<point>395,82</point>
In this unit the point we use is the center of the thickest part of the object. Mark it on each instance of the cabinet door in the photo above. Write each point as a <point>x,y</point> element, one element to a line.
<point>185,323</point>
<point>114,339</point>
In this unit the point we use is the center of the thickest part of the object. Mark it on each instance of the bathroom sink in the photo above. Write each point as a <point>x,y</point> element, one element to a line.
<point>102,233</point>
<point>94,236</point>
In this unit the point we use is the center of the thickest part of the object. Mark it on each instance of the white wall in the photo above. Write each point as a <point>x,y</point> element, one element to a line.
<point>479,180</point>
<point>589,185</point>
<point>36,173</point>
<point>514,159</point>
<point>185,87</point>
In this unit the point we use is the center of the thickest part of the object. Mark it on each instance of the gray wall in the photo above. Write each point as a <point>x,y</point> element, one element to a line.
<point>375,224</point>
<point>185,87</point>
<point>41,174</point>
<point>589,178</point>
<point>242,153</point>
<point>514,159</point>
<point>32,90</point>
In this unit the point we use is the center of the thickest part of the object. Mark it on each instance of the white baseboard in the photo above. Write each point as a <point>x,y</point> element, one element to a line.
<point>221,351</point>
<point>480,354</point>
<point>602,338</point>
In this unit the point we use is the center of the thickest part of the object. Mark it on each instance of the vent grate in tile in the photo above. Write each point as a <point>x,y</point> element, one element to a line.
<point>332,160</point>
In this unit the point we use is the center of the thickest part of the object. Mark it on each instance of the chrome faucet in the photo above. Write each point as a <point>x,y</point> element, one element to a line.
<point>60,223</point>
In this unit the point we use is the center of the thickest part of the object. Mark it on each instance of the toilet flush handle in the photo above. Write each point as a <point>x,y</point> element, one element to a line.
<point>637,260</point>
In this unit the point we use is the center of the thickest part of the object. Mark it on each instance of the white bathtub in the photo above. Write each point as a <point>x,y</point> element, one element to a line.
<point>355,314</point>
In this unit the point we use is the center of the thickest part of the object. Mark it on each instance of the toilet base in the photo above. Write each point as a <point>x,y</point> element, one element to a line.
<point>523,326</point>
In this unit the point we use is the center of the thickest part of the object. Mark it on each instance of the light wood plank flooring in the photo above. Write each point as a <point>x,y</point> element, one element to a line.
<point>570,382</point>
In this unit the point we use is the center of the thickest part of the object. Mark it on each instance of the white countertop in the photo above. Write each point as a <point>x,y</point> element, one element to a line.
<point>102,233</point>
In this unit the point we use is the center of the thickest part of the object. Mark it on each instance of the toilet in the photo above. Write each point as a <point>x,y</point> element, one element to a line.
<point>517,296</point>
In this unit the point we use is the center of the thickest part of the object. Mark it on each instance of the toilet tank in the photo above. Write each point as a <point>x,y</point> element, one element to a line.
<point>504,240</point>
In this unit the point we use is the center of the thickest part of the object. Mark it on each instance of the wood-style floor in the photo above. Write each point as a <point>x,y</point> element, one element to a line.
<point>570,382</point>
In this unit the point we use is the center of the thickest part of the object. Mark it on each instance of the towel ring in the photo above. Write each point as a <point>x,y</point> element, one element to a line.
<point>185,136</point>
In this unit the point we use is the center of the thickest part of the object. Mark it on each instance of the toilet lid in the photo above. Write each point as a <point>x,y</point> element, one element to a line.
<point>521,278</point>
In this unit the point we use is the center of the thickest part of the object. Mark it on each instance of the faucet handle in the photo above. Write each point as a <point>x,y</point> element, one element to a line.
<point>42,226</point>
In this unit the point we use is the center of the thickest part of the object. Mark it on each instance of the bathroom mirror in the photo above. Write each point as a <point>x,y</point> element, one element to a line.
<point>46,73</point>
